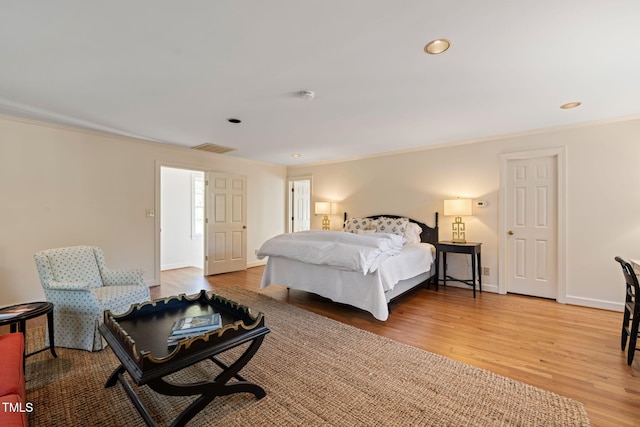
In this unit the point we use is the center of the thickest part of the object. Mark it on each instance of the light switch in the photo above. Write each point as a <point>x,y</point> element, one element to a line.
<point>151,213</point>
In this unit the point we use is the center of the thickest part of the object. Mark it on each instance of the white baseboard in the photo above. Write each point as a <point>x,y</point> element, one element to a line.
<point>595,303</point>
<point>176,265</point>
<point>485,287</point>
<point>572,300</point>
<point>256,263</point>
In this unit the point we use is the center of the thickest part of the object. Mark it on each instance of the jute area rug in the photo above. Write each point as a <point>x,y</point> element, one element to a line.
<point>316,372</point>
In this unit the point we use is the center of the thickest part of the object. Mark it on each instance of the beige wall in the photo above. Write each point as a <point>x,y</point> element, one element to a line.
<point>61,186</point>
<point>603,212</point>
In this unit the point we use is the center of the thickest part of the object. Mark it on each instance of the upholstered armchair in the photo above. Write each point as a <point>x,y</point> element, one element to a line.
<point>81,288</point>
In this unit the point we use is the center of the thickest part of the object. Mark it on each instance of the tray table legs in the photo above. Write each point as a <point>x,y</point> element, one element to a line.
<point>208,390</point>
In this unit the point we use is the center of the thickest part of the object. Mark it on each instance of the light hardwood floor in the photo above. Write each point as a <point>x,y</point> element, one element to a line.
<point>570,350</point>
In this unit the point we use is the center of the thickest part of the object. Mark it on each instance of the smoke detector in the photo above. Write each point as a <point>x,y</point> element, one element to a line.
<point>307,95</point>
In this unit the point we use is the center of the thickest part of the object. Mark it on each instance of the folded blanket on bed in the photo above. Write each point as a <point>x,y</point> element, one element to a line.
<point>346,251</point>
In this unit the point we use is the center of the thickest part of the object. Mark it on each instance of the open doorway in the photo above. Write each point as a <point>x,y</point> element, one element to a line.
<point>182,213</point>
<point>299,204</point>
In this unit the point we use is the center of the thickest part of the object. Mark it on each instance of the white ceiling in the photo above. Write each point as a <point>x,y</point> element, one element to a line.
<point>175,71</point>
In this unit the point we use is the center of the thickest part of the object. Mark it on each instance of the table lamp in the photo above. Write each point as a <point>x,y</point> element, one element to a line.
<point>457,208</point>
<point>324,208</point>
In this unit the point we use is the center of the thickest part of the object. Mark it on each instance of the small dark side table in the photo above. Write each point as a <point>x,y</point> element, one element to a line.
<point>470,248</point>
<point>16,317</point>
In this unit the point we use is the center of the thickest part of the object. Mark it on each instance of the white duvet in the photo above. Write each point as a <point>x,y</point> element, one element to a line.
<point>345,251</point>
<point>370,292</point>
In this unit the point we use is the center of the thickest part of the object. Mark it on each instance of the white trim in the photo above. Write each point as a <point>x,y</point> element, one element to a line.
<point>177,265</point>
<point>560,155</point>
<point>288,199</point>
<point>256,263</point>
<point>595,303</point>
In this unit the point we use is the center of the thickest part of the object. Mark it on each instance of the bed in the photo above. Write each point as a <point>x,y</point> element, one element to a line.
<point>330,264</point>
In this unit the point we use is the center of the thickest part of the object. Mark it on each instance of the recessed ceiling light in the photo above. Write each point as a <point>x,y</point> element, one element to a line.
<point>234,120</point>
<point>296,155</point>
<point>437,46</point>
<point>570,105</point>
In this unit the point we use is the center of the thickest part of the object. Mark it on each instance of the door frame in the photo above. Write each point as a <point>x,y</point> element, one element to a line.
<point>289,198</point>
<point>560,156</point>
<point>157,210</point>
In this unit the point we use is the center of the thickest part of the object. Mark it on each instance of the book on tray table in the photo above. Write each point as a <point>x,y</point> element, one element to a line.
<point>189,327</point>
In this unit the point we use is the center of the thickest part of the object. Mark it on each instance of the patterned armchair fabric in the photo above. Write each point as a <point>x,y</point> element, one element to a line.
<point>79,285</point>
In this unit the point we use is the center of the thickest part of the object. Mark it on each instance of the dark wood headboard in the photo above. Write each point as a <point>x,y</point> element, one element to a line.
<point>428,235</point>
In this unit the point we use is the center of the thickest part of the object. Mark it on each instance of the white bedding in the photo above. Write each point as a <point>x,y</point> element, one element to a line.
<point>345,251</point>
<point>366,291</point>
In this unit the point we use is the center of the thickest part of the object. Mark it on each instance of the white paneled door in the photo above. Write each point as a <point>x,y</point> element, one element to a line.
<point>226,224</point>
<point>300,204</point>
<point>531,226</point>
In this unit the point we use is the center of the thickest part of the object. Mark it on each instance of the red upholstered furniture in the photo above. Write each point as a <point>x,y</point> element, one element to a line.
<point>13,403</point>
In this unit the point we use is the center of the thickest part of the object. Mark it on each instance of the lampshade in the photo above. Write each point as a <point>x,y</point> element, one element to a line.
<point>323,208</point>
<point>457,207</point>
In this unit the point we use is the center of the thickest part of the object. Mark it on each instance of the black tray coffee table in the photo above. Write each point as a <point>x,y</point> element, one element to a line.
<point>139,340</point>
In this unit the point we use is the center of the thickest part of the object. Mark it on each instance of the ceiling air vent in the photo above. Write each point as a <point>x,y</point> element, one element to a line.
<point>213,148</point>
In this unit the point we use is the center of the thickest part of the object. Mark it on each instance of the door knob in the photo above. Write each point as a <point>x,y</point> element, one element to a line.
<point>511,233</point>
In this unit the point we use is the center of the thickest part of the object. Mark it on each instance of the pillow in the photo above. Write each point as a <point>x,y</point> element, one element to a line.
<point>391,225</point>
<point>412,234</point>
<point>361,231</point>
<point>352,225</point>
